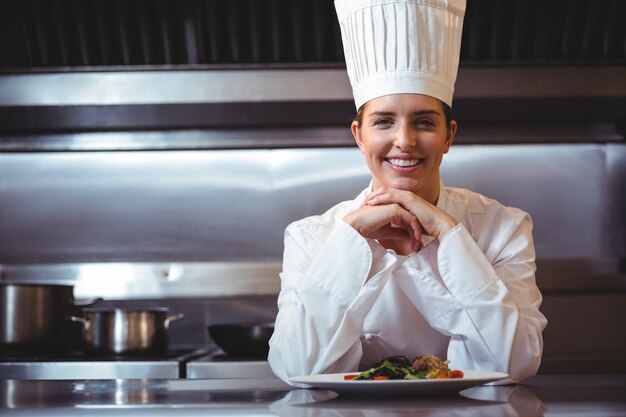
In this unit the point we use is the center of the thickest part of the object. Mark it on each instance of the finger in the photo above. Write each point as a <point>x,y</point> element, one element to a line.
<point>387,198</point>
<point>408,221</point>
<point>367,220</point>
<point>408,201</point>
<point>416,235</point>
<point>395,218</point>
<point>374,194</point>
<point>413,228</point>
<point>417,229</point>
<point>416,245</point>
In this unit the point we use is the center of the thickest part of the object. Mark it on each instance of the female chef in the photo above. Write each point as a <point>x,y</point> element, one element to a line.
<point>409,267</point>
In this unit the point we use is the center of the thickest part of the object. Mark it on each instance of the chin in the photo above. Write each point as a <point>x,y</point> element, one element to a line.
<point>404,185</point>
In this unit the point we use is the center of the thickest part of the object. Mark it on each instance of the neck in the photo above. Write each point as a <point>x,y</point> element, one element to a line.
<point>431,195</point>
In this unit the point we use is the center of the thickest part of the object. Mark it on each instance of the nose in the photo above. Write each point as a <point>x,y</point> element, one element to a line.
<point>405,139</point>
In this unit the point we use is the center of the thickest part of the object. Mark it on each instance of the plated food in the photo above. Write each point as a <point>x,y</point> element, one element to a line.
<point>399,367</point>
<point>397,376</point>
<point>412,388</point>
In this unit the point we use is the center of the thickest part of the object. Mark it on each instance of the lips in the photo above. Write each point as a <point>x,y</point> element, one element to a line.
<point>404,162</point>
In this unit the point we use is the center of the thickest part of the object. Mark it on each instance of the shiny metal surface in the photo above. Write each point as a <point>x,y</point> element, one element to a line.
<point>33,316</point>
<point>224,86</point>
<point>233,206</point>
<point>161,206</point>
<point>123,331</point>
<point>173,86</point>
<point>143,280</point>
<point>79,365</point>
<point>220,139</point>
<point>215,366</point>
<point>198,139</point>
<point>141,397</point>
<point>564,396</point>
<point>574,193</point>
<point>150,280</point>
<point>89,369</point>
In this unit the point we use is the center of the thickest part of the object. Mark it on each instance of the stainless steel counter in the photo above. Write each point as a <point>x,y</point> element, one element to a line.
<point>214,367</point>
<point>589,395</point>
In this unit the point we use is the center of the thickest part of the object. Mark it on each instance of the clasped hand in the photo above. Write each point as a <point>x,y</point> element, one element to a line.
<point>390,214</point>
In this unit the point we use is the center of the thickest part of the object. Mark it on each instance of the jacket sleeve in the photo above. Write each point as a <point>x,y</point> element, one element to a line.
<point>489,309</point>
<point>327,289</point>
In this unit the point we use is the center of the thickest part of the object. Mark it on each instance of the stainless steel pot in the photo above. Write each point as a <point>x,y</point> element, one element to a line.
<point>126,331</point>
<point>32,316</point>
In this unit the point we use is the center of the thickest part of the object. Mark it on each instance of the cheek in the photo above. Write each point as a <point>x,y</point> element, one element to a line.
<point>376,145</point>
<point>435,145</point>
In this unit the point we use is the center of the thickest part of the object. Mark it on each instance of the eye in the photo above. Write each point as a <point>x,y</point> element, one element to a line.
<point>424,123</point>
<point>382,122</point>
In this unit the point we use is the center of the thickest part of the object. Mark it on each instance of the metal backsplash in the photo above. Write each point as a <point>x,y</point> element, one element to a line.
<point>194,223</point>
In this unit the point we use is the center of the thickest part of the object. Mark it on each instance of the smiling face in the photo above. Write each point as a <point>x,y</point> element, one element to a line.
<point>403,138</point>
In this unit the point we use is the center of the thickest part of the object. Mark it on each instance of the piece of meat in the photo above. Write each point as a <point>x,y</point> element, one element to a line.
<point>430,364</point>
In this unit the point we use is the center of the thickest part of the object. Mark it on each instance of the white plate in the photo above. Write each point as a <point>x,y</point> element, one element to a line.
<point>397,387</point>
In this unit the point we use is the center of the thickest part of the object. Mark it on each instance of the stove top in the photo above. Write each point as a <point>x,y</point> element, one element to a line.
<point>200,363</point>
<point>80,356</point>
<point>79,365</point>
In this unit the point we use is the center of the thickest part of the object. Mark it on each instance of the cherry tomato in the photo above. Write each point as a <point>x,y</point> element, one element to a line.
<point>350,377</point>
<point>457,374</point>
<point>381,378</point>
<point>441,376</point>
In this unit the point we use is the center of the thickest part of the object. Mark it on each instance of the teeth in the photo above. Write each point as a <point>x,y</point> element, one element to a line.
<point>404,162</point>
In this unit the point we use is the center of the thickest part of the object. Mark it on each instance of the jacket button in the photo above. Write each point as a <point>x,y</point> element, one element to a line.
<point>368,336</point>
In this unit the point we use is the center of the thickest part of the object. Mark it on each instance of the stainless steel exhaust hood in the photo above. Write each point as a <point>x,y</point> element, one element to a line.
<point>247,108</point>
<point>66,33</point>
<point>115,75</point>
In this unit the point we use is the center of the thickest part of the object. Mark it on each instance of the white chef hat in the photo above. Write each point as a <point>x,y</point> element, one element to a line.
<point>401,46</point>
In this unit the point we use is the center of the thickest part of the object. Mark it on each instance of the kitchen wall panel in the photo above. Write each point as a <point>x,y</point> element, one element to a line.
<point>217,206</point>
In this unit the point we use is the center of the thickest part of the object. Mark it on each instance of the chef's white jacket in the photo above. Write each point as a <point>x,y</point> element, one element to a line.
<point>346,302</point>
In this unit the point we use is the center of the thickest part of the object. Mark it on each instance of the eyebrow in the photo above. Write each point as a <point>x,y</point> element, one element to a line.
<point>416,113</point>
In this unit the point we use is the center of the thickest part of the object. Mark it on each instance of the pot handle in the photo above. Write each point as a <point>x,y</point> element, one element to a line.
<point>86,323</point>
<point>173,318</point>
<point>87,303</point>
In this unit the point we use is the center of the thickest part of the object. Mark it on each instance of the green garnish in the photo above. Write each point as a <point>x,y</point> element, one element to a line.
<point>395,367</point>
